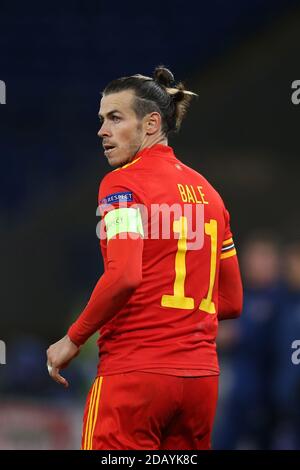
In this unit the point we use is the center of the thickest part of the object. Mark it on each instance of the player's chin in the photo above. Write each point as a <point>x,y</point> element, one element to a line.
<point>112,157</point>
<point>116,158</point>
<point>114,161</point>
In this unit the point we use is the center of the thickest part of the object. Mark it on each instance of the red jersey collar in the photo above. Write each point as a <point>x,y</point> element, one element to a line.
<point>156,150</point>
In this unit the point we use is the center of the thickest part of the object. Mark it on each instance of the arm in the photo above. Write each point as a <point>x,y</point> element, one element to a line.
<point>114,288</point>
<point>230,289</point>
<point>122,275</point>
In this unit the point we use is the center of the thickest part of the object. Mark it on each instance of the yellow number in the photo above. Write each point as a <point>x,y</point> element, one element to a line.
<point>206,304</point>
<point>178,300</point>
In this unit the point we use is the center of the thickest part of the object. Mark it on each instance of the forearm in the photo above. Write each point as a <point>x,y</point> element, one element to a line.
<point>230,290</point>
<point>229,308</point>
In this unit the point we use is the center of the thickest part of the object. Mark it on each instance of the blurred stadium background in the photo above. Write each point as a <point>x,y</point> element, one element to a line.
<point>242,134</point>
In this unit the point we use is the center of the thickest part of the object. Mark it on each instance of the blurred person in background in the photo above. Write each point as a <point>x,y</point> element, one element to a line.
<point>158,302</point>
<point>286,386</point>
<point>246,414</point>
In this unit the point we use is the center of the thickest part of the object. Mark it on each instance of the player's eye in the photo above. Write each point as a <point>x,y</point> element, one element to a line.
<point>116,119</point>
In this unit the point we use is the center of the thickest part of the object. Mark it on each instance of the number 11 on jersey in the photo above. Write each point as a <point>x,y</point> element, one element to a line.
<point>178,299</point>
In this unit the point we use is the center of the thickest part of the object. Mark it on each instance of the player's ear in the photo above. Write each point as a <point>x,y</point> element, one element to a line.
<point>152,123</point>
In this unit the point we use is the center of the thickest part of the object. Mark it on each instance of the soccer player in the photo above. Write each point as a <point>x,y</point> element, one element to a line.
<point>163,290</point>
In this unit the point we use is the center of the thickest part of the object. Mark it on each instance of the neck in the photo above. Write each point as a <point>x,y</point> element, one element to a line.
<point>151,140</point>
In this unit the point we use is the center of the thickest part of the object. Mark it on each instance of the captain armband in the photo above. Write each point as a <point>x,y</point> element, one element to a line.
<point>125,219</point>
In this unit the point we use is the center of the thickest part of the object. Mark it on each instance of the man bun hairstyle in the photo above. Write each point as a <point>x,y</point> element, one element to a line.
<point>157,94</point>
<point>163,76</point>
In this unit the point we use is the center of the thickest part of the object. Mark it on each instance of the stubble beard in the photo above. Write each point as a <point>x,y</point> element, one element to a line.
<point>132,148</point>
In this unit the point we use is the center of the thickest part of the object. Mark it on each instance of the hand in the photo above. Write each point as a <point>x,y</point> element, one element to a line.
<point>59,355</point>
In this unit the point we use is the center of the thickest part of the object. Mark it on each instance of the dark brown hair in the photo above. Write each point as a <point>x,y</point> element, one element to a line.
<point>159,94</point>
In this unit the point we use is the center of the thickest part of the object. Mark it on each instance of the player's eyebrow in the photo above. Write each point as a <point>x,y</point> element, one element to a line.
<point>109,114</point>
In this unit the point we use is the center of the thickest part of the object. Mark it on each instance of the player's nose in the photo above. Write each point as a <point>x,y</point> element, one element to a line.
<point>104,131</point>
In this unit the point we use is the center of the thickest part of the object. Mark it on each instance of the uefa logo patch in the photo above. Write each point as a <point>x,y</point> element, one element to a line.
<point>117,198</point>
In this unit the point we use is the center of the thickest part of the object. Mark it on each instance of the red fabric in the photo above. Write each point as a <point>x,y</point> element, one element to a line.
<point>230,289</point>
<point>130,412</point>
<point>136,331</point>
<point>144,334</point>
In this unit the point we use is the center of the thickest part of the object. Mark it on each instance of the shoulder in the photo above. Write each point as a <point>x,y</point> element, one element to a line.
<point>208,185</point>
<point>122,175</point>
<point>217,198</point>
<point>110,178</point>
<point>119,185</point>
<point>113,184</point>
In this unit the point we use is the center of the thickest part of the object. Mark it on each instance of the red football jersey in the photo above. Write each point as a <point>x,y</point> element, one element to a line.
<point>170,322</point>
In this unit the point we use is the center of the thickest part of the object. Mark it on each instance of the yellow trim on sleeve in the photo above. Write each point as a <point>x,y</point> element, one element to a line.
<point>228,254</point>
<point>226,242</point>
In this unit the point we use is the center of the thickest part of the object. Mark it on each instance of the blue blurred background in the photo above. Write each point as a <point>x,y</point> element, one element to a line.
<point>242,134</point>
